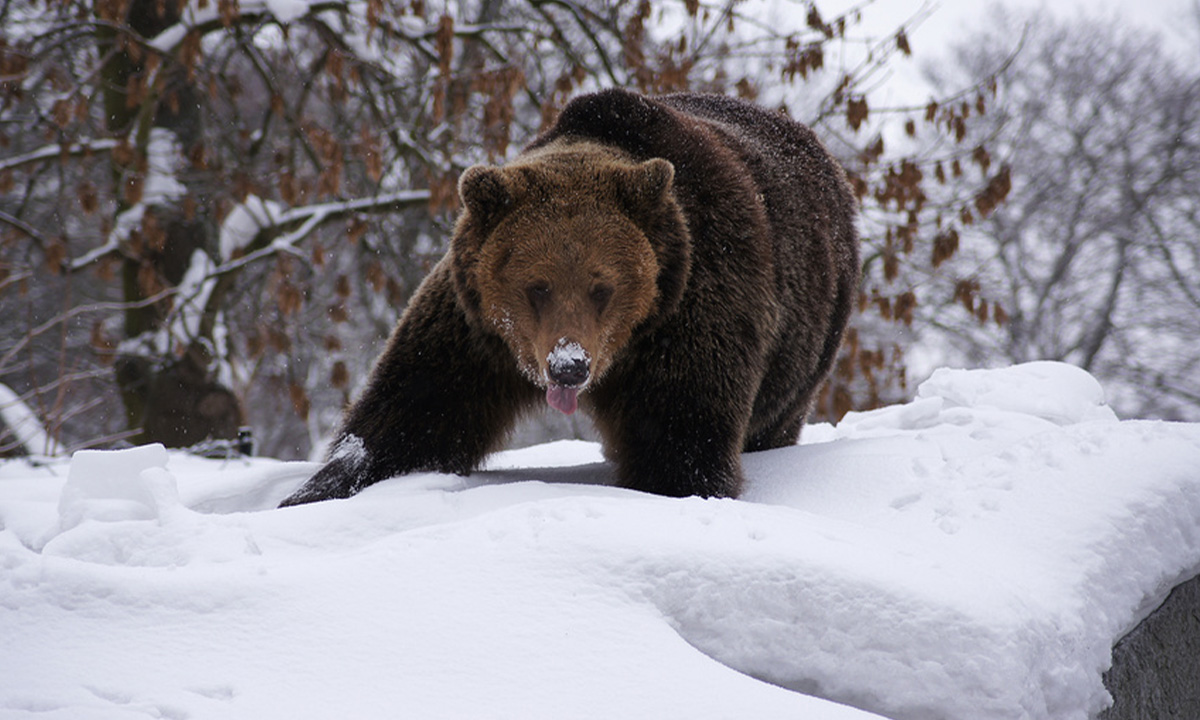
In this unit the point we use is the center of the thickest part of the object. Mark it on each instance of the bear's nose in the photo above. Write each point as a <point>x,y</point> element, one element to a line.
<point>570,373</point>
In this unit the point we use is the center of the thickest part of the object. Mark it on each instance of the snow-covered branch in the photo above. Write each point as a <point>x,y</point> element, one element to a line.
<point>161,188</point>
<point>27,229</point>
<point>267,228</point>
<point>55,150</point>
<point>26,428</point>
<point>258,224</point>
<point>66,315</point>
<point>209,18</point>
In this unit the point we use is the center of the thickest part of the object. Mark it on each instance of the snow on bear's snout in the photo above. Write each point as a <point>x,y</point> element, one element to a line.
<point>568,370</point>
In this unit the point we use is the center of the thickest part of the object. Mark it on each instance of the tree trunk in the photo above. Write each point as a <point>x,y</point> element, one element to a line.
<point>175,400</point>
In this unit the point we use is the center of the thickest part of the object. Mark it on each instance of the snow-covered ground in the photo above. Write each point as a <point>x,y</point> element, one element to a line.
<point>972,554</point>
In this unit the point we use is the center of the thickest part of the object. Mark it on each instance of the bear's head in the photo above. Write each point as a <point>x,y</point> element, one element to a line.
<point>566,253</point>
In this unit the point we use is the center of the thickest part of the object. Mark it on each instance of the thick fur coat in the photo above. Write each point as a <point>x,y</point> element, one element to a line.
<point>681,267</point>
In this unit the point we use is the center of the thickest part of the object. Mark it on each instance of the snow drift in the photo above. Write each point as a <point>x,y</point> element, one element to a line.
<point>973,553</point>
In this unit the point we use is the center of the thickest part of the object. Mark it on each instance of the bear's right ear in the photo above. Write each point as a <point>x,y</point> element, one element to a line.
<point>485,193</point>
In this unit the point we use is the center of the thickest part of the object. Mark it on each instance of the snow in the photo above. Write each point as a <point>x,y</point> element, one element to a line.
<point>195,14</point>
<point>1049,390</point>
<point>23,425</point>
<point>163,158</point>
<point>565,354</point>
<point>160,186</point>
<point>286,11</point>
<point>243,223</point>
<point>973,553</point>
<point>568,362</point>
<point>350,449</point>
<point>191,298</point>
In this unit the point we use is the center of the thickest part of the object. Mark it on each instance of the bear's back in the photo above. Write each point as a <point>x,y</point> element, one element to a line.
<point>778,162</point>
<point>804,188</point>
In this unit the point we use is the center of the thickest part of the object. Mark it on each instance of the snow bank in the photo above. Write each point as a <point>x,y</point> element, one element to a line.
<point>1060,393</point>
<point>974,553</point>
<point>117,486</point>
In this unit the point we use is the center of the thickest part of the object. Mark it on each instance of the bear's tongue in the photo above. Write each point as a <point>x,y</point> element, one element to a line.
<point>563,399</point>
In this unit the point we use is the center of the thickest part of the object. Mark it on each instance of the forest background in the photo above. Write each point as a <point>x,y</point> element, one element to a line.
<point>213,212</point>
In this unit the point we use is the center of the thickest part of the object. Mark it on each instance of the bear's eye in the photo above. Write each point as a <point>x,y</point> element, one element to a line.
<point>600,296</point>
<point>538,295</point>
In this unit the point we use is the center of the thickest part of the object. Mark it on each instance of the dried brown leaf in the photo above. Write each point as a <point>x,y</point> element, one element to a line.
<point>339,376</point>
<point>300,401</point>
<point>856,112</point>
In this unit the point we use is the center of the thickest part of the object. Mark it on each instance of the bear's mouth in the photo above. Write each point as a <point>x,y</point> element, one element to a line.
<point>563,399</point>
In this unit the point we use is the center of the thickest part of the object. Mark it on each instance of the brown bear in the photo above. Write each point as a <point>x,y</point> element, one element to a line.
<point>682,267</point>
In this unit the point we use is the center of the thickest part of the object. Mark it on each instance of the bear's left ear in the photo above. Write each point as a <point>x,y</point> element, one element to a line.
<point>647,185</point>
<point>485,193</point>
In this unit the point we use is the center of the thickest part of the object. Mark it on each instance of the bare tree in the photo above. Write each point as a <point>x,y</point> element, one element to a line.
<point>1096,254</point>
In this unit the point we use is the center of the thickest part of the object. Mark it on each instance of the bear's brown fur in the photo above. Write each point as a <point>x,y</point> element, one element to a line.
<point>683,267</point>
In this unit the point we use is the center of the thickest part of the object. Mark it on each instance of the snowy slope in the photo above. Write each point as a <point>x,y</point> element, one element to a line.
<point>974,553</point>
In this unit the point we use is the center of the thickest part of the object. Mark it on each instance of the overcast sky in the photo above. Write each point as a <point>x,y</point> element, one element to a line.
<point>951,15</point>
<point>1175,19</point>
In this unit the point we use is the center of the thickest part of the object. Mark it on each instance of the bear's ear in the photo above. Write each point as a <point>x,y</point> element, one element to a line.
<point>659,176</point>
<point>647,185</point>
<point>485,193</point>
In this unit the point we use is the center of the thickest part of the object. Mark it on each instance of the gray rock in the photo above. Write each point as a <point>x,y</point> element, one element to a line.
<point>1155,673</point>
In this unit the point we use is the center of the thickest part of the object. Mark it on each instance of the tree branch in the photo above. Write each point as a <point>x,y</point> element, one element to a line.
<point>50,152</point>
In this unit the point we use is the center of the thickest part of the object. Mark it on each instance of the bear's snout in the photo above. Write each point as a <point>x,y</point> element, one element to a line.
<point>571,373</point>
<point>568,365</point>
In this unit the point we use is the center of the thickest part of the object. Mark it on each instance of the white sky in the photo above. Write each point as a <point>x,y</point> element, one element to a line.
<point>1175,19</point>
<point>951,15</point>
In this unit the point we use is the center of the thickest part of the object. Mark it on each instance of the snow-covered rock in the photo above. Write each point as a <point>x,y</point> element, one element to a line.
<point>1156,667</point>
<point>972,554</point>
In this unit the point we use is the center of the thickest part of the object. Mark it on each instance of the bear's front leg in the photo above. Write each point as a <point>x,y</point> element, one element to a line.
<point>670,443</point>
<point>440,398</point>
<point>679,457</point>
